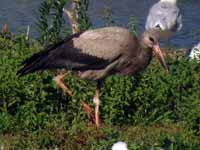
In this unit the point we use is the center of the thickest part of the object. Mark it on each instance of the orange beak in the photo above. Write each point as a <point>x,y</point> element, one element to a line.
<point>159,54</point>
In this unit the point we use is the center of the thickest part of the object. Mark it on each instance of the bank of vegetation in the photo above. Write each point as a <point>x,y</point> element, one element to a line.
<point>153,110</point>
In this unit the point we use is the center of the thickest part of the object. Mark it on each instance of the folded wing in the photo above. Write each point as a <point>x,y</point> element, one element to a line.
<point>83,51</point>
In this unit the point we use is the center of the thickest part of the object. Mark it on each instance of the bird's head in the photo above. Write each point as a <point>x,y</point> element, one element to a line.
<point>120,146</point>
<point>150,41</point>
<point>169,1</point>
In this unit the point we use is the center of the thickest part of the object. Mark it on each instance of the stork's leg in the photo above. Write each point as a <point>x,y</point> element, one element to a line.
<point>89,111</point>
<point>59,80</point>
<point>96,101</point>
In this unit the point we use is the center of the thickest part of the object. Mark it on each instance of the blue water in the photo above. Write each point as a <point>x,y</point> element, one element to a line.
<point>20,13</point>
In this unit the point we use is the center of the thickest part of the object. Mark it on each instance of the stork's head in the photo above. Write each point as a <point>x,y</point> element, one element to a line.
<point>150,41</point>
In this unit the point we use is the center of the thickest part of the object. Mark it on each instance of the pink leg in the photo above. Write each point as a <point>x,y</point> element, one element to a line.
<point>59,80</point>
<point>95,119</point>
<point>89,111</point>
<point>97,103</point>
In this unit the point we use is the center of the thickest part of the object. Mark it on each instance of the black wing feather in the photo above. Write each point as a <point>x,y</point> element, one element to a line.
<point>59,56</point>
<point>51,47</point>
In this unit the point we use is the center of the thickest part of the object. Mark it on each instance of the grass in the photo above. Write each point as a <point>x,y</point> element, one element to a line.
<point>84,136</point>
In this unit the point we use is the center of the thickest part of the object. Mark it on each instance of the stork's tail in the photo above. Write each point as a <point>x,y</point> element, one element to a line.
<point>34,63</point>
<point>45,59</point>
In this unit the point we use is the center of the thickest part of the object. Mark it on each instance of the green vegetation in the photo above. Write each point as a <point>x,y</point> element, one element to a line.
<point>49,21</point>
<point>154,110</point>
<point>83,18</point>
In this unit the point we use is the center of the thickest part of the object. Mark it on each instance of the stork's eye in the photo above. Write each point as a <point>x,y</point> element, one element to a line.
<point>151,39</point>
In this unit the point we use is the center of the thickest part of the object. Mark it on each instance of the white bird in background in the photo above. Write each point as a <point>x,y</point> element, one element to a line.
<point>195,52</point>
<point>120,146</point>
<point>165,15</point>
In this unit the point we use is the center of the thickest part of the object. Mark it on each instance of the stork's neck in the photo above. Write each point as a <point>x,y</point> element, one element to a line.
<point>145,55</point>
<point>169,1</point>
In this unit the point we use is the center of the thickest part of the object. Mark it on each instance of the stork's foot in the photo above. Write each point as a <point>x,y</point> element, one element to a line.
<point>93,116</point>
<point>89,111</point>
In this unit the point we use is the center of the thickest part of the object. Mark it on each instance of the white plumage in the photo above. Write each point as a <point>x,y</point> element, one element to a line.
<point>165,15</point>
<point>120,146</point>
<point>195,52</point>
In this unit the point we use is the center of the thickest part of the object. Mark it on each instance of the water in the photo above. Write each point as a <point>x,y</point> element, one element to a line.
<point>20,13</point>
